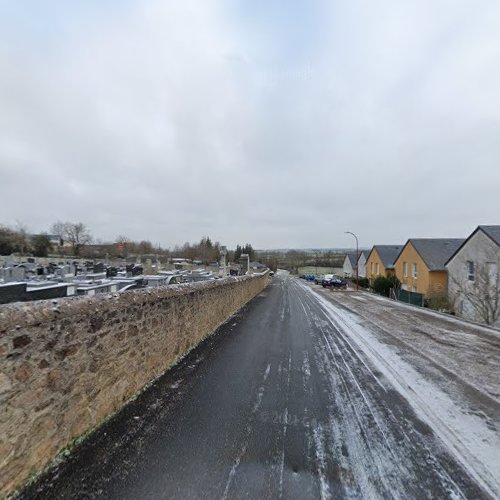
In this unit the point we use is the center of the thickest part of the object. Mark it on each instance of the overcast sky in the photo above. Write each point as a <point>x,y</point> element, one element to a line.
<point>282,124</point>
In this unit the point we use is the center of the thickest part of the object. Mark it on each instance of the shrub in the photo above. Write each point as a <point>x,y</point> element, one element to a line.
<point>363,282</point>
<point>439,303</point>
<point>383,284</point>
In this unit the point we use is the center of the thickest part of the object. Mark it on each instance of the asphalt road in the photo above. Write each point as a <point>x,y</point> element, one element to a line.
<point>279,403</point>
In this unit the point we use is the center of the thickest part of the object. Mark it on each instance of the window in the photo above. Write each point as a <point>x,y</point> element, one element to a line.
<point>371,267</point>
<point>378,269</point>
<point>414,270</point>
<point>405,269</point>
<point>471,271</point>
<point>414,289</point>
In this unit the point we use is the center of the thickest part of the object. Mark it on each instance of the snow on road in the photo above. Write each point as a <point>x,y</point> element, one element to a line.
<point>470,435</point>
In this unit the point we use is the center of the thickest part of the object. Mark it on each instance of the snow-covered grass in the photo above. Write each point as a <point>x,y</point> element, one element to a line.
<point>436,314</point>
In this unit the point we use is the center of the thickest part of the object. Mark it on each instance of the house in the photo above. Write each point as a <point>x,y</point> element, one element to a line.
<point>473,276</point>
<point>380,261</point>
<point>420,266</point>
<point>349,267</point>
<point>257,267</point>
<point>56,240</point>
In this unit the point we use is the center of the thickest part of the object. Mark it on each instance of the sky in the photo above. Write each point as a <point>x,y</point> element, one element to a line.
<point>282,124</point>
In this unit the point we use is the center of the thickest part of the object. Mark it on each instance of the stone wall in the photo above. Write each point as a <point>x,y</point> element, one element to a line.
<point>66,365</point>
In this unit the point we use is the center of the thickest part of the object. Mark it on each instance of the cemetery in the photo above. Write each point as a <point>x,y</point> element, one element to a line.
<point>24,280</point>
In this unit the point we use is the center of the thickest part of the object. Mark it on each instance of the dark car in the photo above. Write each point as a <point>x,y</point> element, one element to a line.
<point>335,282</point>
<point>326,280</point>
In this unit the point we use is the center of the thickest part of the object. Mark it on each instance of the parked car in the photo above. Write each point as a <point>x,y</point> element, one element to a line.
<point>318,279</point>
<point>337,282</point>
<point>326,280</point>
<point>334,282</point>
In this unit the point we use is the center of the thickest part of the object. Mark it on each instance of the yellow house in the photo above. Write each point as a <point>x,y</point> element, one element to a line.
<point>420,266</point>
<point>381,260</point>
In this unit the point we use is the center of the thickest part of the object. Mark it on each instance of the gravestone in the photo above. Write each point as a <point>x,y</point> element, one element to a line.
<point>137,270</point>
<point>244,263</point>
<point>11,274</point>
<point>99,267</point>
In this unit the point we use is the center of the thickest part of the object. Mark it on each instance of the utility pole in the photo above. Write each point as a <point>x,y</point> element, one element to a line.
<point>357,259</point>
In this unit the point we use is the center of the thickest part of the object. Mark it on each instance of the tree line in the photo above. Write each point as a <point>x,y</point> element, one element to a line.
<point>75,239</point>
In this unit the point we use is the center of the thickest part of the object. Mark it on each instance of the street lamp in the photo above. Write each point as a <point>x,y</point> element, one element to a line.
<point>357,259</point>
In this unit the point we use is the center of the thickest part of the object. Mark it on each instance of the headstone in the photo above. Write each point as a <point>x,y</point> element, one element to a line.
<point>244,263</point>
<point>14,274</point>
<point>222,269</point>
<point>148,267</point>
<point>111,272</point>
<point>51,268</point>
<point>137,270</point>
<point>99,267</point>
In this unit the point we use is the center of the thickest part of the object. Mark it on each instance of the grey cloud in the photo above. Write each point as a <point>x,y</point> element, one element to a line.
<point>168,122</point>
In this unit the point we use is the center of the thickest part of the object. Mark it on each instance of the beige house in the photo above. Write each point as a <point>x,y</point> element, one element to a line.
<point>420,266</point>
<point>380,261</point>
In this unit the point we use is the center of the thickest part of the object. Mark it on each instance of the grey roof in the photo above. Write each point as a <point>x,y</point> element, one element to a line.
<point>257,265</point>
<point>388,254</point>
<point>352,257</point>
<point>436,252</point>
<point>493,232</point>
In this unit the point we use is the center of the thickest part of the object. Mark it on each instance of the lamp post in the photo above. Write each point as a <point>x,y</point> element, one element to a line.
<point>357,259</point>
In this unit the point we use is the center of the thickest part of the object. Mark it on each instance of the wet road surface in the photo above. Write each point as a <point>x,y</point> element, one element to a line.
<point>279,403</point>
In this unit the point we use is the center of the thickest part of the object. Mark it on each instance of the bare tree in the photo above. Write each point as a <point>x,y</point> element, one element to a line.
<point>22,238</point>
<point>296,259</point>
<point>76,233</point>
<point>121,238</point>
<point>481,289</point>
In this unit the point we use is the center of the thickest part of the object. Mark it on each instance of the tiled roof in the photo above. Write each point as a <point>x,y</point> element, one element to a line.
<point>436,252</point>
<point>352,257</point>
<point>388,254</point>
<point>493,232</point>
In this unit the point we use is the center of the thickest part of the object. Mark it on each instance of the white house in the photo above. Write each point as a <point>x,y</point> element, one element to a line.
<point>474,278</point>
<point>349,267</point>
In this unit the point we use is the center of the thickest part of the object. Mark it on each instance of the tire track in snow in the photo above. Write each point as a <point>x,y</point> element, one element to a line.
<point>479,468</point>
<point>347,348</point>
<point>345,375</point>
